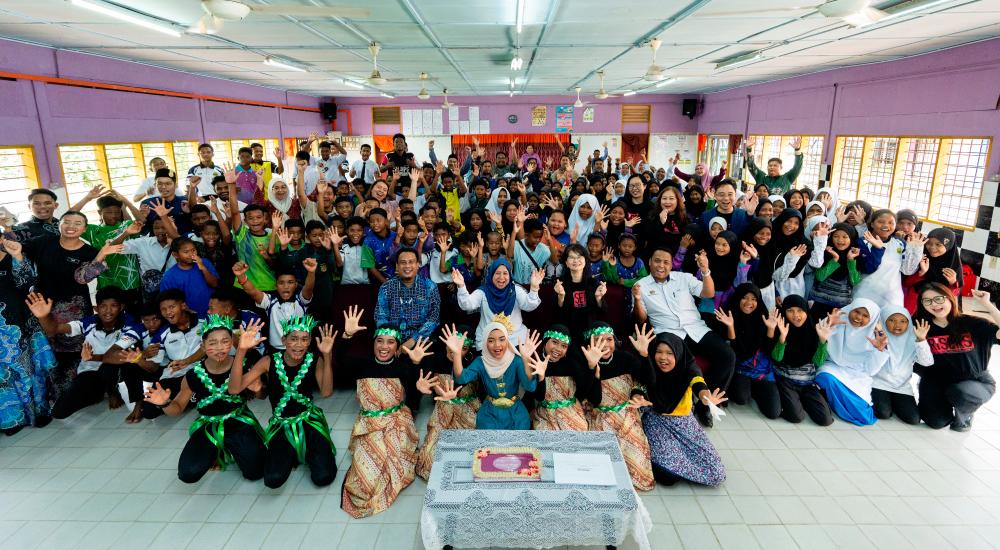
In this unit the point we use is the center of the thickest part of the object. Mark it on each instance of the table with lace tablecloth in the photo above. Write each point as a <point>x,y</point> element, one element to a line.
<point>464,513</point>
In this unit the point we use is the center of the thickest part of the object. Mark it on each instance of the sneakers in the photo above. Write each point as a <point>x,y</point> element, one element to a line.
<point>959,425</point>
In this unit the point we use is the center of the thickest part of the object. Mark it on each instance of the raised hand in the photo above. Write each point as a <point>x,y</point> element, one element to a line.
<point>873,240</point>
<point>594,352</point>
<point>641,339</point>
<point>538,366</point>
<point>11,247</point>
<point>452,339</point>
<point>418,351</point>
<point>87,352</point>
<point>601,290</point>
<point>853,253</point>
<point>157,395</point>
<point>161,208</point>
<point>796,142</point>
<point>609,256</point>
<point>240,269</point>
<point>831,251</point>
<point>715,397</point>
<point>442,243</point>
<point>283,237</point>
<point>822,229</point>
<point>229,171</point>
<point>835,317</point>
<point>950,275</point>
<point>559,289</point>
<point>824,329</point>
<point>39,305</point>
<point>799,251</point>
<point>925,265</point>
<point>250,337</point>
<point>725,317</point>
<point>841,214</point>
<point>637,293</point>
<point>917,238</point>
<point>921,327</point>
<point>276,219</point>
<point>446,390</point>
<point>702,260</point>
<point>686,241</point>
<point>881,339</point>
<point>982,297</point>
<point>782,327</point>
<point>537,276</point>
<point>771,319</point>
<point>352,321</point>
<point>426,382</point>
<point>750,249</point>
<point>530,344</point>
<point>310,264</point>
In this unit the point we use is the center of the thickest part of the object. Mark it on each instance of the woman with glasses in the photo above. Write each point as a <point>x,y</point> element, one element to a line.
<point>957,384</point>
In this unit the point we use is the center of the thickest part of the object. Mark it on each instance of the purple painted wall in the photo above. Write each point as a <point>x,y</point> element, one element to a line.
<point>952,92</point>
<point>665,116</point>
<point>47,115</point>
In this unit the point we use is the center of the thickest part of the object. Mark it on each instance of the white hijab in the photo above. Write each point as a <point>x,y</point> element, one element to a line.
<point>496,368</point>
<point>849,347</point>
<point>281,205</point>
<point>494,205</point>
<point>586,226</point>
<point>777,198</point>
<point>718,220</point>
<point>897,371</point>
<point>822,207</point>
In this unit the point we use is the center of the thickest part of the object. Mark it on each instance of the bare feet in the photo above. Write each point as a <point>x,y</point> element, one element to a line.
<point>135,416</point>
<point>115,401</point>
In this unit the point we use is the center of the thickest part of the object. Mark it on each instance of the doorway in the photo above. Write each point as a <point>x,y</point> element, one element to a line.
<point>633,146</point>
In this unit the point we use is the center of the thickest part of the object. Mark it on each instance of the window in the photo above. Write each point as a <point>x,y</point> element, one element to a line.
<point>151,151</point>
<point>768,147</point>
<point>941,179</point>
<point>223,154</point>
<point>18,175</point>
<point>125,167</point>
<point>718,151</point>
<point>185,156</point>
<point>83,167</point>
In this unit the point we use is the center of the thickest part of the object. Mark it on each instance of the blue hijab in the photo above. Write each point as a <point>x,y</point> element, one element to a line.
<point>501,300</point>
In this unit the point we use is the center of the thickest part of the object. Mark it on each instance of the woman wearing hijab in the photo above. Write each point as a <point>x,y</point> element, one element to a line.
<point>777,205</point>
<point>700,176</point>
<point>679,447</point>
<point>498,198</point>
<point>793,253</point>
<point>854,353</point>
<point>501,373</point>
<point>884,256</point>
<point>498,294</point>
<point>616,373</point>
<point>799,347</point>
<point>942,263</point>
<point>281,200</point>
<point>749,329</point>
<point>758,236</point>
<point>892,392</point>
<point>558,398</point>
<point>583,217</point>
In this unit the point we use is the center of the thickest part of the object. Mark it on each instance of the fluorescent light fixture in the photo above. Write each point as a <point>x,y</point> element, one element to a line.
<point>664,82</point>
<point>520,15</point>
<point>914,7</point>
<point>516,62</point>
<point>513,82</point>
<point>282,64</point>
<point>628,93</point>
<point>740,60</point>
<point>353,84</point>
<point>390,96</point>
<point>127,17</point>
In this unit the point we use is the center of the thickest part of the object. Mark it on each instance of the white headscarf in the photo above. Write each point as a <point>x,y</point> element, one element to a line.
<point>849,347</point>
<point>496,368</point>
<point>897,371</point>
<point>281,205</point>
<point>493,205</point>
<point>718,220</point>
<point>811,224</point>
<point>822,207</point>
<point>614,193</point>
<point>777,198</point>
<point>586,226</point>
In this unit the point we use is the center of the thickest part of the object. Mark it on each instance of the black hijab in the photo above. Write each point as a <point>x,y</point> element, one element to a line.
<point>666,389</point>
<point>724,268</point>
<point>750,329</point>
<point>763,273</point>
<point>951,258</point>
<point>783,243</point>
<point>508,226</point>
<point>841,272</point>
<point>801,342</point>
<point>694,209</point>
<point>701,240</point>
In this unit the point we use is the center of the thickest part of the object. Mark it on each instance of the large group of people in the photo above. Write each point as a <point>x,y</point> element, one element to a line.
<point>584,293</point>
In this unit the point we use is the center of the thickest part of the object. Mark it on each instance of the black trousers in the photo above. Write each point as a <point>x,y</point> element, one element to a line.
<point>133,376</point>
<point>88,388</point>
<point>797,401</point>
<point>241,440</point>
<point>281,458</point>
<point>763,392</point>
<point>887,403</point>
<point>151,411</point>
<point>942,403</point>
<point>721,359</point>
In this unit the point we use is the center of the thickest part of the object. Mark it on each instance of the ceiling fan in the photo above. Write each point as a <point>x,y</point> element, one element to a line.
<point>857,13</point>
<point>423,93</point>
<point>602,93</point>
<point>218,11</point>
<point>655,72</point>
<point>447,104</point>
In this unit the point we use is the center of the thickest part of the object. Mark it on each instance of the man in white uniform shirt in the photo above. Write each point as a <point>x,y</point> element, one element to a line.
<point>666,300</point>
<point>329,163</point>
<point>204,172</point>
<point>147,188</point>
<point>365,169</point>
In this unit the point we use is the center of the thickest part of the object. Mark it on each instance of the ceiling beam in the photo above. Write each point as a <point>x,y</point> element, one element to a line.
<point>666,24</point>
<point>425,28</point>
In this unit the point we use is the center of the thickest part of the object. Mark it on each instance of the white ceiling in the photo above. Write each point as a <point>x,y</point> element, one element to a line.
<point>467,46</point>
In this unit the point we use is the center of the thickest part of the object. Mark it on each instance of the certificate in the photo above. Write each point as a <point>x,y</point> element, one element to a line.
<point>583,469</point>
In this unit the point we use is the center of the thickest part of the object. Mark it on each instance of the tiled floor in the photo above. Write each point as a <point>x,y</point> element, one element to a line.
<point>94,482</point>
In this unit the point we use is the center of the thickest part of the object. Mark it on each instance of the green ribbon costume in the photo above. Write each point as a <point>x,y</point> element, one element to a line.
<point>214,427</point>
<point>294,426</point>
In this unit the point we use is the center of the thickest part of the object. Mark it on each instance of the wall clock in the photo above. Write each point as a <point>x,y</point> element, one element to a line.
<point>512,119</point>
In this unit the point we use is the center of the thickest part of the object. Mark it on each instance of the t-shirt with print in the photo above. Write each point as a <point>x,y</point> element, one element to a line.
<point>964,358</point>
<point>125,334</point>
<point>357,261</point>
<point>279,311</point>
<point>248,249</point>
<point>207,174</point>
<point>400,162</point>
<point>177,344</point>
<point>523,264</point>
<point>123,269</point>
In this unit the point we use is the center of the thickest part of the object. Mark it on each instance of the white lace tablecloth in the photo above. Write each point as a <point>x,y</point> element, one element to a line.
<point>528,514</point>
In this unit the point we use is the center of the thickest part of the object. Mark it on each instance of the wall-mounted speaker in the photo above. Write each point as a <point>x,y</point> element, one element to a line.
<point>689,107</point>
<point>328,110</point>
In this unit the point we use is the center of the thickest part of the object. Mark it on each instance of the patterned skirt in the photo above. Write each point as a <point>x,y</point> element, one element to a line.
<point>681,447</point>
<point>26,360</point>
<point>383,449</point>
<point>625,423</point>
<point>460,415</point>
<point>560,410</point>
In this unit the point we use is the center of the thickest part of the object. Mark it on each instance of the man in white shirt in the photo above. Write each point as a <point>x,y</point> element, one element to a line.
<point>329,163</point>
<point>666,300</point>
<point>309,174</point>
<point>365,169</point>
<point>147,188</point>
<point>204,172</point>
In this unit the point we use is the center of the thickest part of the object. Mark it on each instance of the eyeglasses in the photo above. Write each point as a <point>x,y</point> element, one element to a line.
<point>937,300</point>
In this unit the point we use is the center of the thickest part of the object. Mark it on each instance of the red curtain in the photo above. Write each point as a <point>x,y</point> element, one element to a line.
<point>383,144</point>
<point>633,145</point>
<point>545,145</point>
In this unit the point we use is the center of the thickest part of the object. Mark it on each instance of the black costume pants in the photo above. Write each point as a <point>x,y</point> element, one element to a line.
<point>797,401</point>
<point>241,440</point>
<point>763,392</point>
<point>88,388</point>
<point>886,403</point>
<point>281,458</point>
<point>151,411</point>
<point>942,403</point>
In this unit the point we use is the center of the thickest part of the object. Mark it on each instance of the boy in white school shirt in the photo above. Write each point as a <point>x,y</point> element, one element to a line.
<point>204,172</point>
<point>365,169</point>
<point>180,342</point>
<point>147,188</point>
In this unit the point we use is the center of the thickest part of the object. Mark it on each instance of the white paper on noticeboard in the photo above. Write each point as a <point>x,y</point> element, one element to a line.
<point>463,127</point>
<point>407,122</point>
<point>438,125</point>
<point>418,124</point>
<point>484,126</point>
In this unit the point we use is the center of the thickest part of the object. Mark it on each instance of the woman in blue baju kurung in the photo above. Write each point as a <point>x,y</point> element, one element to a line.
<point>502,374</point>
